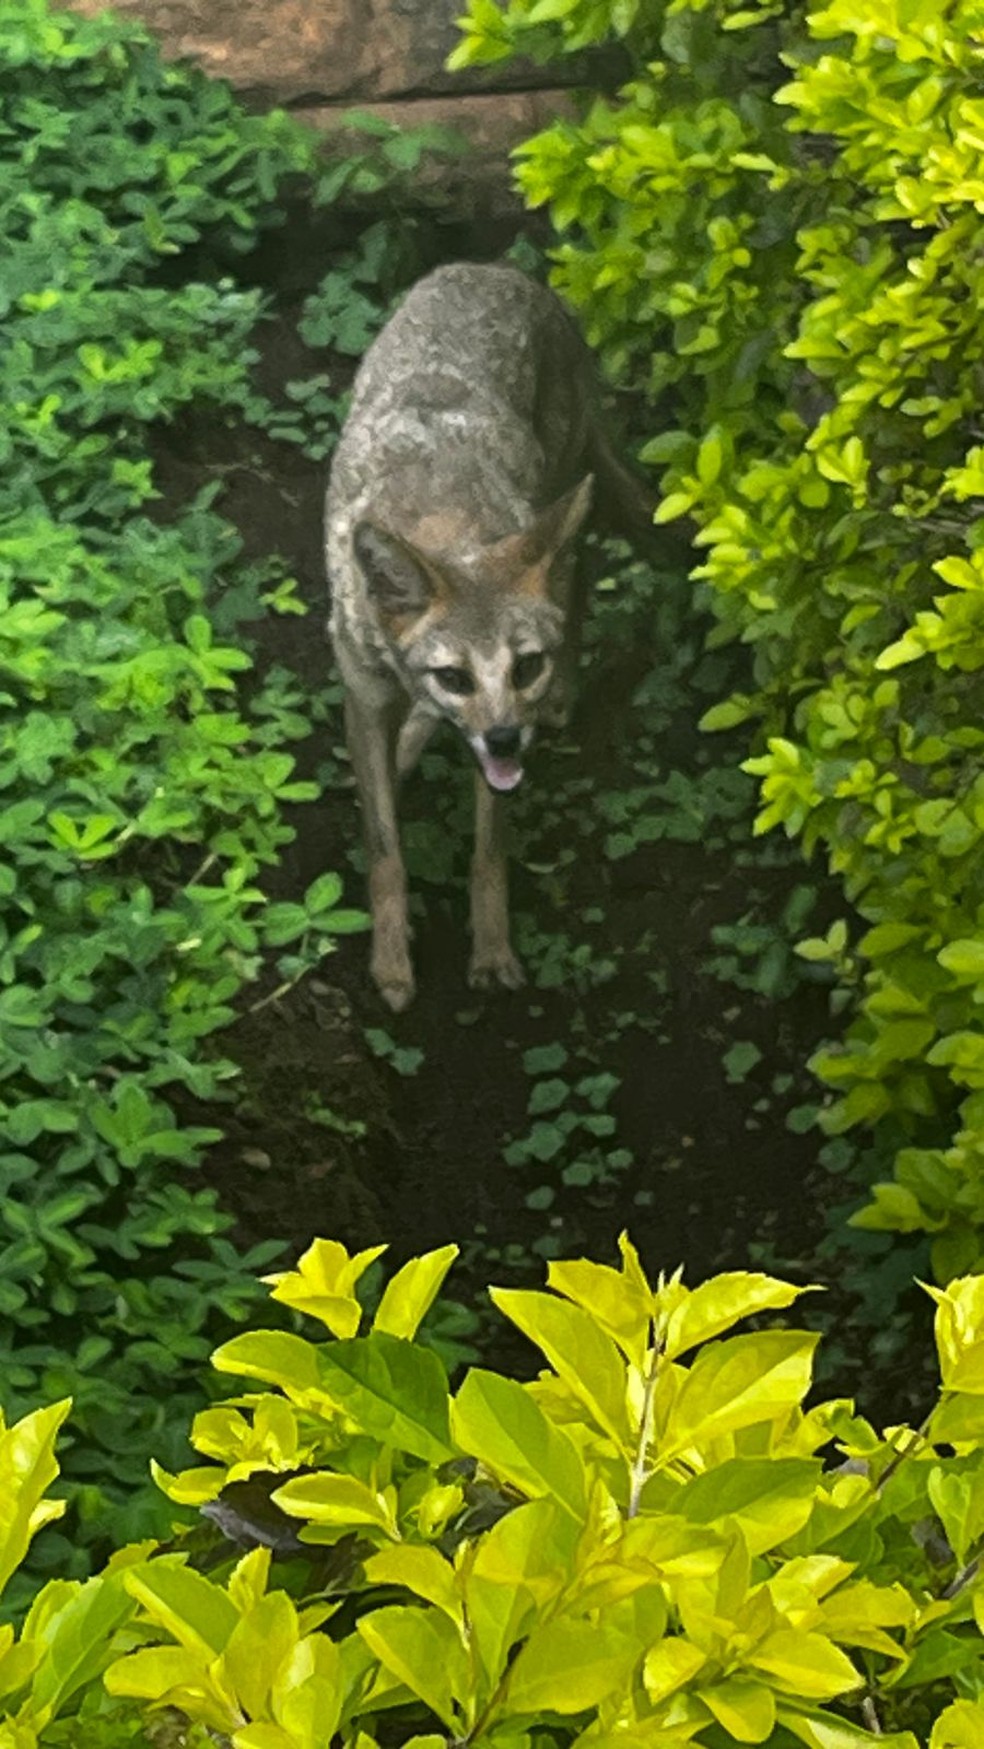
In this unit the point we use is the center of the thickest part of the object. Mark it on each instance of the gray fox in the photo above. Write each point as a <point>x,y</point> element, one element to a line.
<point>465,469</point>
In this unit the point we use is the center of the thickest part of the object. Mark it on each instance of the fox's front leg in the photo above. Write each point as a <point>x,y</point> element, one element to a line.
<point>493,960</point>
<point>371,733</point>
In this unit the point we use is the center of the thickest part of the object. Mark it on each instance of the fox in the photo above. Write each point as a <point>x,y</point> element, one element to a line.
<point>465,471</point>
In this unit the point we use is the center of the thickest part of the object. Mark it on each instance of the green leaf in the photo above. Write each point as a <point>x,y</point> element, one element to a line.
<point>544,1059</point>
<point>323,894</point>
<point>965,958</point>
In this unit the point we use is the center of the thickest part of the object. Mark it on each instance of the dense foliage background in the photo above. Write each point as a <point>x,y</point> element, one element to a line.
<point>141,795</point>
<point>774,232</point>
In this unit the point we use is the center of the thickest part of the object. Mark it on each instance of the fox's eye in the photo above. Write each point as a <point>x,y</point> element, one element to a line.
<point>528,668</point>
<point>456,680</point>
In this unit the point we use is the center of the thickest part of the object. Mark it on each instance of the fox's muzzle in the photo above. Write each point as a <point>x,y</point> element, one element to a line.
<point>498,753</point>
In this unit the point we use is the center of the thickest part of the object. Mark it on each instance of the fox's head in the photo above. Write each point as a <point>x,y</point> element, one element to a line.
<point>476,629</point>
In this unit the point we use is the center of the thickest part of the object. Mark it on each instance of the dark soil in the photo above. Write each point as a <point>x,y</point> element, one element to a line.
<point>325,1137</point>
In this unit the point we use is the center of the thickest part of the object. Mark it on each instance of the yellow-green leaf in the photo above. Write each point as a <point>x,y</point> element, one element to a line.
<point>323,1284</point>
<point>497,1421</point>
<point>411,1293</point>
<point>423,1571</point>
<point>713,1307</point>
<point>423,1650</point>
<point>393,1391</point>
<point>335,1500</point>
<point>614,1299</point>
<point>769,1498</point>
<point>194,1611</point>
<point>274,1356</point>
<point>959,1329</point>
<point>155,1672</point>
<point>257,1646</point>
<point>670,1665</point>
<point>580,1353</point>
<point>737,1383</point>
<point>194,1487</point>
<point>567,1666</point>
<point>805,1664</point>
<point>27,1467</point>
<point>309,1692</point>
<point>959,1726</point>
<point>746,1709</point>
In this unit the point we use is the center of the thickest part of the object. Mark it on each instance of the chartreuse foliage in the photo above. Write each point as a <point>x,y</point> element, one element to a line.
<point>140,800</point>
<point>776,228</point>
<point>644,1545</point>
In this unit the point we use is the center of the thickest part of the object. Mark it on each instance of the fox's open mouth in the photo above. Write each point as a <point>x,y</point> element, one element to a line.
<point>500,774</point>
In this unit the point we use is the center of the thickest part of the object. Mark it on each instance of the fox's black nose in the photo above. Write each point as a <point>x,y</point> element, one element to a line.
<point>502,742</point>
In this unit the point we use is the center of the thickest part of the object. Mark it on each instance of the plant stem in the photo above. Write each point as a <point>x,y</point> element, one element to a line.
<point>871,1720</point>
<point>967,1574</point>
<point>906,1451</point>
<point>639,1473</point>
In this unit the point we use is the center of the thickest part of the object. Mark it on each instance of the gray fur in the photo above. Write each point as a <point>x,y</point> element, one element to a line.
<point>459,482</point>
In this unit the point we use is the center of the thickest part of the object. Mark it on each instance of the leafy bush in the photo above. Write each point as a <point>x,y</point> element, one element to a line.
<point>774,230</point>
<point>140,801</point>
<point>642,1545</point>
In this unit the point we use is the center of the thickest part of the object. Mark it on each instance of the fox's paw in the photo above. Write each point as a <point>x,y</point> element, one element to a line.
<point>392,975</point>
<point>496,965</point>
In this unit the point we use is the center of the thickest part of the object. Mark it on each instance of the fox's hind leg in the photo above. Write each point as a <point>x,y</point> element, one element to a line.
<point>492,960</point>
<point>371,734</point>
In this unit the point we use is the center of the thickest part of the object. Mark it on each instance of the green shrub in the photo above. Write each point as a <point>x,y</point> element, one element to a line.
<point>644,1545</point>
<point>774,230</point>
<point>139,800</point>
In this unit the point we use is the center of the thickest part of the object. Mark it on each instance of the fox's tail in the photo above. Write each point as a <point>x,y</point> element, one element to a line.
<point>623,502</point>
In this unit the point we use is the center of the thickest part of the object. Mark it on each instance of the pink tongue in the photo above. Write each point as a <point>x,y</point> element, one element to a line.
<point>502,774</point>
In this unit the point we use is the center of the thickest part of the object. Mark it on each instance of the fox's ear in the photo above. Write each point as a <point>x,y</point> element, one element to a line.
<point>400,580</point>
<point>528,556</point>
<point>556,526</point>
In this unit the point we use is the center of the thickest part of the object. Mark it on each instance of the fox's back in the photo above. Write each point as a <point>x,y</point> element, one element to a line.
<point>472,404</point>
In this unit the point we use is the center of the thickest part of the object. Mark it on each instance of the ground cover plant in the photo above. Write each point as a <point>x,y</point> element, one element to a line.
<point>141,797</point>
<point>774,231</point>
<point>655,1540</point>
